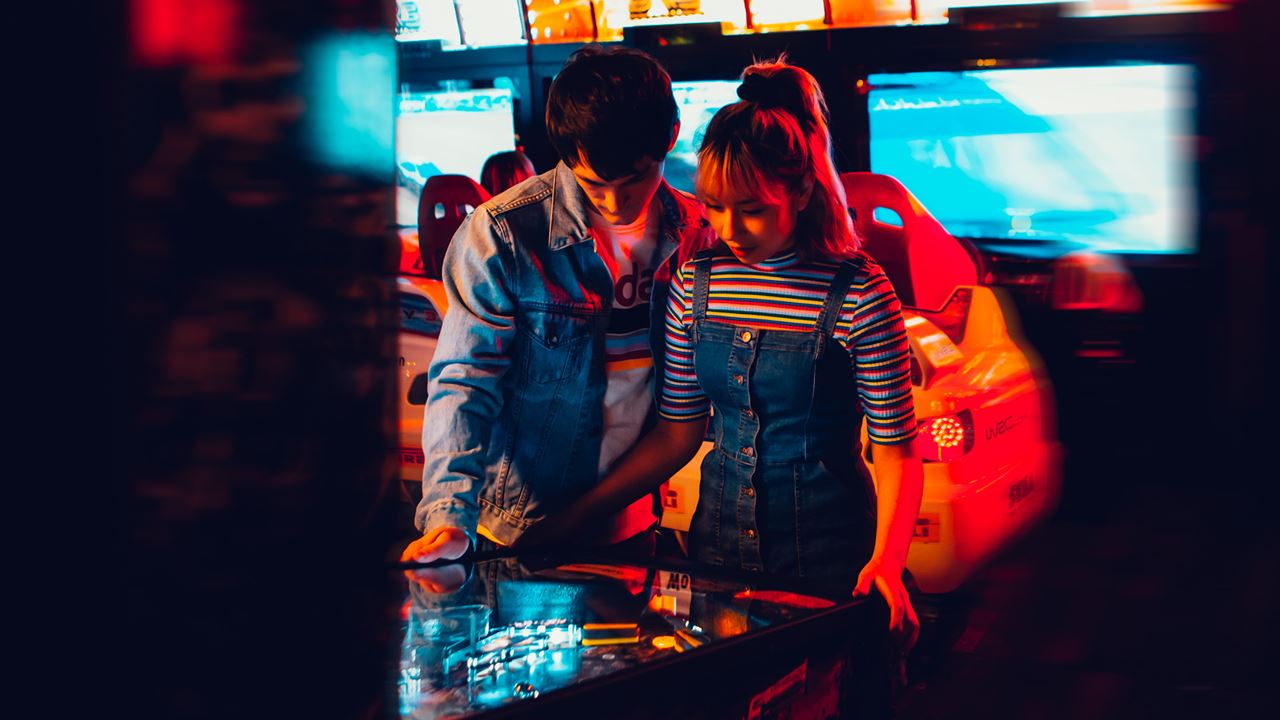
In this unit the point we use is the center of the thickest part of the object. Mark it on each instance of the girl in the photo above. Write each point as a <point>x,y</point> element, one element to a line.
<point>793,336</point>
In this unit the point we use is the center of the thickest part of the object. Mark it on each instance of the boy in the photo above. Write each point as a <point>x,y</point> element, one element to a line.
<point>544,372</point>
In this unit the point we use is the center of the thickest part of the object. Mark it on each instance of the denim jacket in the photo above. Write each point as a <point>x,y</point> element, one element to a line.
<point>515,408</point>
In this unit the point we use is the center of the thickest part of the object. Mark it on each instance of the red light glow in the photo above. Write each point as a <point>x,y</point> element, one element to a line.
<point>947,432</point>
<point>175,32</point>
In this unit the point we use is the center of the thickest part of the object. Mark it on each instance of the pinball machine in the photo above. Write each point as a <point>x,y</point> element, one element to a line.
<point>580,635</point>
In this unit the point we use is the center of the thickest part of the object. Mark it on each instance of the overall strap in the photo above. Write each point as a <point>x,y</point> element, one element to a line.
<point>701,284</point>
<point>836,295</point>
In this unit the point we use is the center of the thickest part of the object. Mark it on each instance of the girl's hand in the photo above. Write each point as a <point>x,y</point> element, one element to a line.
<point>904,626</point>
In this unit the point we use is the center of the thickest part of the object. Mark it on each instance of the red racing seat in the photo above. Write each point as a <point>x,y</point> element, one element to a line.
<point>924,262</point>
<point>445,202</point>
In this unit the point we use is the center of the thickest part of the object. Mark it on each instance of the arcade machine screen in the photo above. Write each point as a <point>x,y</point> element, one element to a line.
<point>1094,155</point>
<point>450,132</point>
<point>698,102</point>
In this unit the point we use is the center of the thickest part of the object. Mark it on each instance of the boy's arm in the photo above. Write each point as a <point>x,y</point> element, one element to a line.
<point>657,456</point>
<point>465,383</point>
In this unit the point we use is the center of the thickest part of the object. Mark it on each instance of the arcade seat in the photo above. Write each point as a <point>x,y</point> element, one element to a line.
<point>923,261</point>
<point>446,200</point>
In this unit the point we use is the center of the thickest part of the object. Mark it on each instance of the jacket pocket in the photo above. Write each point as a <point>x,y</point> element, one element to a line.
<point>554,342</point>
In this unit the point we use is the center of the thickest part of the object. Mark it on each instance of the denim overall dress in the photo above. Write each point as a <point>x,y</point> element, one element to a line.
<point>784,491</point>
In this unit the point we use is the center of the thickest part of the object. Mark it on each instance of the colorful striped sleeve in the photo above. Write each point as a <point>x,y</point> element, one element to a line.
<point>872,330</point>
<point>682,398</point>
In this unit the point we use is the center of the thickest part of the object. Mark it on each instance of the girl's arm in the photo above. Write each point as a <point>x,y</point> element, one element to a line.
<point>899,484</point>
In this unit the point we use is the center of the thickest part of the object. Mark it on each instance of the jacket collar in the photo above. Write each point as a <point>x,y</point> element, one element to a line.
<point>570,223</point>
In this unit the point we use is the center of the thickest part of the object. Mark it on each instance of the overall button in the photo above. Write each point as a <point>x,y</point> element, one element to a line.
<point>749,451</point>
<point>746,336</point>
<point>739,379</point>
<point>749,415</point>
<point>750,492</point>
<point>751,533</point>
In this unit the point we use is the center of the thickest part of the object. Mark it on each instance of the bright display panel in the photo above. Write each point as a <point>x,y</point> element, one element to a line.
<point>428,20</point>
<point>450,132</point>
<point>698,102</point>
<point>1101,155</point>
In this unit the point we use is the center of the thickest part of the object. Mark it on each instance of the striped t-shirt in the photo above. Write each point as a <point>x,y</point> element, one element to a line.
<point>785,293</point>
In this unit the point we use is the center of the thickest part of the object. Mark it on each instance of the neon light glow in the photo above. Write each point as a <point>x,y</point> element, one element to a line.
<point>945,438</point>
<point>348,80</point>
<point>168,32</point>
<point>947,432</point>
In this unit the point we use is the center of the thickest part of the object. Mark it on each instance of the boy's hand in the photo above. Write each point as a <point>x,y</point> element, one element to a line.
<point>443,543</point>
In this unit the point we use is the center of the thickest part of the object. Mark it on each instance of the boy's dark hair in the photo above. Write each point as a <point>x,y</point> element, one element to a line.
<point>615,106</point>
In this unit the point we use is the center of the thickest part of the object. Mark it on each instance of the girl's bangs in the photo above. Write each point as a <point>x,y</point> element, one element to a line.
<point>731,172</point>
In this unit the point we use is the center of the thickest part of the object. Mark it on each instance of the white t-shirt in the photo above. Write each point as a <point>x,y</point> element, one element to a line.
<point>629,252</point>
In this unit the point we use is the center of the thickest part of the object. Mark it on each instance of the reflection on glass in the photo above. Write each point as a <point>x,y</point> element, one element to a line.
<point>510,634</point>
<point>1098,155</point>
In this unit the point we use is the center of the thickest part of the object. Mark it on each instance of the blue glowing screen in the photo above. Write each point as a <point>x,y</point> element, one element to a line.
<point>447,133</point>
<point>1100,155</point>
<point>698,102</point>
<point>348,81</point>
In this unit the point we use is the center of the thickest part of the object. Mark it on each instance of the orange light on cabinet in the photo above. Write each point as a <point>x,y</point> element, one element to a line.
<point>564,21</point>
<point>853,13</point>
<point>785,15</point>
